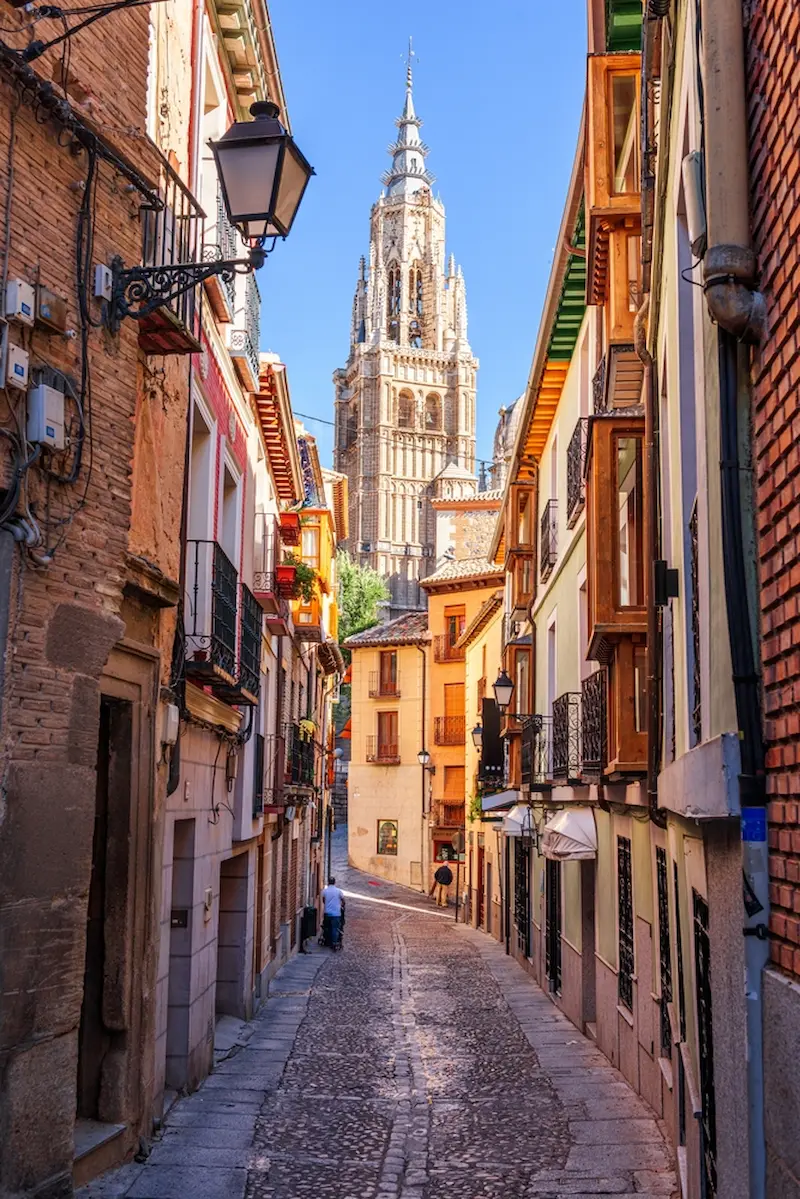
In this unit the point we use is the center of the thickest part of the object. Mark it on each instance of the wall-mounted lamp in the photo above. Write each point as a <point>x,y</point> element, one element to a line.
<point>424,759</point>
<point>503,688</point>
<point>263,177</point>
<point>477,737</point>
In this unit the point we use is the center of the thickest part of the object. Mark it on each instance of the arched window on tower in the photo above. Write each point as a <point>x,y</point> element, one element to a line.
<point>415,306</point>
<point>433,413</point>
<point>405,410</point>
<point>394,301</point>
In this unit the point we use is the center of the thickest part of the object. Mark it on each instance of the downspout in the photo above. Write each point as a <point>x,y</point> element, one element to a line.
<point>423,873</point>
<point>738,308</point>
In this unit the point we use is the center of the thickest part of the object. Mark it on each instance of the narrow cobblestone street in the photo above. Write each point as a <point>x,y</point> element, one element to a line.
<point>421,1062</point>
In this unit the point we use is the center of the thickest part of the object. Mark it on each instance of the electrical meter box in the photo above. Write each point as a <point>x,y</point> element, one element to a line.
<point>46,416</point>
<point>20,301</point>
<point>16,367</point>
<point>51,309</point>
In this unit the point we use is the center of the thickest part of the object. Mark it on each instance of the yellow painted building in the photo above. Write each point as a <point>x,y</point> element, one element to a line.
<point>456,594</point>
<point>389,799</point>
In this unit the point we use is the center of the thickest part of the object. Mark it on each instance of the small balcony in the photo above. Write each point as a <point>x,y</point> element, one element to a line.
<point>307,619</point>
<point>221,242</point>
<point>445,651</point>
<point>450,814</point>
<point>383,753</point>
<point>381,688</point>
<point>537,753</point>
<point>594,750</point>
<point>576,462</point>
<point>265,581</point>
<point>617,382</point>
<point>300,768</point>
<point>245,688</point>
<point>449,730</point>
<point>243,335</point>
<point>567,738</point>
<point>522,584</point>
<point>171,236</point>
<point>211,602</point>
<point>548,552</point>
<point>275,760</point>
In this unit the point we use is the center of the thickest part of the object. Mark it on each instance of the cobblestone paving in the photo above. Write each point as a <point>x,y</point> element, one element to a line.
<point>420,1063</point>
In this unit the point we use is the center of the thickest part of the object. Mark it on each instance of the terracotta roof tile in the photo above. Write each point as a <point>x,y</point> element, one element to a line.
<point>410,629</point>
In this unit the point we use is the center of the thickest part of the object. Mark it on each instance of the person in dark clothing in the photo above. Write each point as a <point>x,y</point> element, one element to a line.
<point>441,881</point>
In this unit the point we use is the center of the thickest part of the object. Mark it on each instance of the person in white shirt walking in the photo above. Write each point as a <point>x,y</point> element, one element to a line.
<point>333,905</point>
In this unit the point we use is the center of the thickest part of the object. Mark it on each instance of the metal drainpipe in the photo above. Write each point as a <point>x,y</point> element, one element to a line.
<point>422,830</point>
<point>738,308</point>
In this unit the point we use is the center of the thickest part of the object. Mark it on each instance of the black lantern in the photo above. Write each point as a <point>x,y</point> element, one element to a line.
<point>423,757</point>
<point>262,173</point>
<point>503,690</point>
<point>477,737</point>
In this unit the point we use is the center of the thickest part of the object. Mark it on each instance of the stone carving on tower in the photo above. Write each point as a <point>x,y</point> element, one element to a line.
<point>405,401</point>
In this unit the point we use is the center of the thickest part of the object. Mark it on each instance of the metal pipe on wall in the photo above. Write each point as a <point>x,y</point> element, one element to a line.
<point>738,308</point>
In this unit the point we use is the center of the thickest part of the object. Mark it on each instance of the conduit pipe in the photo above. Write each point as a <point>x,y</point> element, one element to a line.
<point>734,302</point>
<point>729,265</point>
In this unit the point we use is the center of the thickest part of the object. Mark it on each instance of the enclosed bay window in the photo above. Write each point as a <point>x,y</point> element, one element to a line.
<point>630,531</point>
<point>625,128</point>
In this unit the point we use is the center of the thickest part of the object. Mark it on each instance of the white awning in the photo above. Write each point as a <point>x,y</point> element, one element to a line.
<point>570,835</point>
<point>519,821</point>
<point>503,799</point>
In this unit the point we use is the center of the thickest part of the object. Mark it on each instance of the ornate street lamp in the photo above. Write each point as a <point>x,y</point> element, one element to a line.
<point>503,689</point>
<point>477,737</point>
<point>262,173</point>
<point>263,177</point>
<point>424,758</point>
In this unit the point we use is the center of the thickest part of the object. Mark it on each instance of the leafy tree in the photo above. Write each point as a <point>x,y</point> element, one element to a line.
<point>362,590</point>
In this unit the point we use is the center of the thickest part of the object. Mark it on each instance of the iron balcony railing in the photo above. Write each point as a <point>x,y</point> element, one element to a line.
<point>449,730</point>
<point>381,688</point>
<point>567,737</point>
<point>259,781</point>
<point>212,626</point>
<point>172,236</point>
<point>221,242</point>
<point>576,461</point>
<point>445,651</point>
<point>244,339</point>
<point>384,752</point>
<point>251,617</point>
<point>599,393</point>
<point>450,814</point>
<point>275,769</point>
<point>302,758</point>
<point>593,725</point>
<point>537,752</point>
<point>548,539</point>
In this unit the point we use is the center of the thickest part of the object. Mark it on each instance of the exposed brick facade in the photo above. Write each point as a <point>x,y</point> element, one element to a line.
<point>774,89</point>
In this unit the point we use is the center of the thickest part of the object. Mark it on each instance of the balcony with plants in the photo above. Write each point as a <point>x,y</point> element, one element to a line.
<point>266,587</point>
<point>244,331</point>
<point>223,626</point>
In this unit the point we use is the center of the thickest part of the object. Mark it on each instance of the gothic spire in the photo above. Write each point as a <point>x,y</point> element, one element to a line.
<point>407,173</point>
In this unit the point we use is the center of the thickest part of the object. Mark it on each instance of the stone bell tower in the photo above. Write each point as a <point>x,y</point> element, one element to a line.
<point>405,401</point>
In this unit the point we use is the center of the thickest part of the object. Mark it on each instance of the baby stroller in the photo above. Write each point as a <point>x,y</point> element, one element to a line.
<point>325,934</point>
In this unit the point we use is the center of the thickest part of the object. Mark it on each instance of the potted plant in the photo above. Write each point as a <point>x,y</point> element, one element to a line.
<point>304,578</point>
<point>286,576</point>
<point>290,527</point>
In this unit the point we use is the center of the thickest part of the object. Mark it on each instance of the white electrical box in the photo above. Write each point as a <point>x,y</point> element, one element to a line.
<point>20,302</point>
<point>171,722</point>
<point>102,282</point>
<point>16,367</point>
<point>46,416</point>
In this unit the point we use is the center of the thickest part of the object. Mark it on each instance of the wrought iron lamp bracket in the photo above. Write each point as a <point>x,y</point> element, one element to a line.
<point>139,290</point>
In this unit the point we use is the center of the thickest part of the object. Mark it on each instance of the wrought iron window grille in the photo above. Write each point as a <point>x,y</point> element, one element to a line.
<point>522,900</point>
<point>537,750</point>
<point>576,461</point>
<point>211,631</point>
<point>664,951</point>
<point>593,725</point>
<point>552,941</point>
<point>548,539</point>
<point>450,730</point>
<point>626,934</point>
<point>567,737</point>
<point>697,706</point>
<point>702,959</point>
<point>599,394</point>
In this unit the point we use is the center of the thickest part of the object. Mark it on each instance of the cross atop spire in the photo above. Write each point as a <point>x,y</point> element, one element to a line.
<point>407,173</point>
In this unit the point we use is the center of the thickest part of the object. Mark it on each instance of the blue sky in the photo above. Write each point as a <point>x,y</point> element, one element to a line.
<point>499,89</point>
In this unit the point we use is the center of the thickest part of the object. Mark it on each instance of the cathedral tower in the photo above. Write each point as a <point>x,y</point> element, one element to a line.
<point>405,401</point>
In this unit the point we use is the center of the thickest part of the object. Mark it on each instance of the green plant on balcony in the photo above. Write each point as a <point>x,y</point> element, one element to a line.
<point>475,809</point>
<point>304,580</point>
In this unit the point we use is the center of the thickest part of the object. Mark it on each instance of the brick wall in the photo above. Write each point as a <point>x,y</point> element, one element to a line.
<point>64,617</point>
<point>774,91</point>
